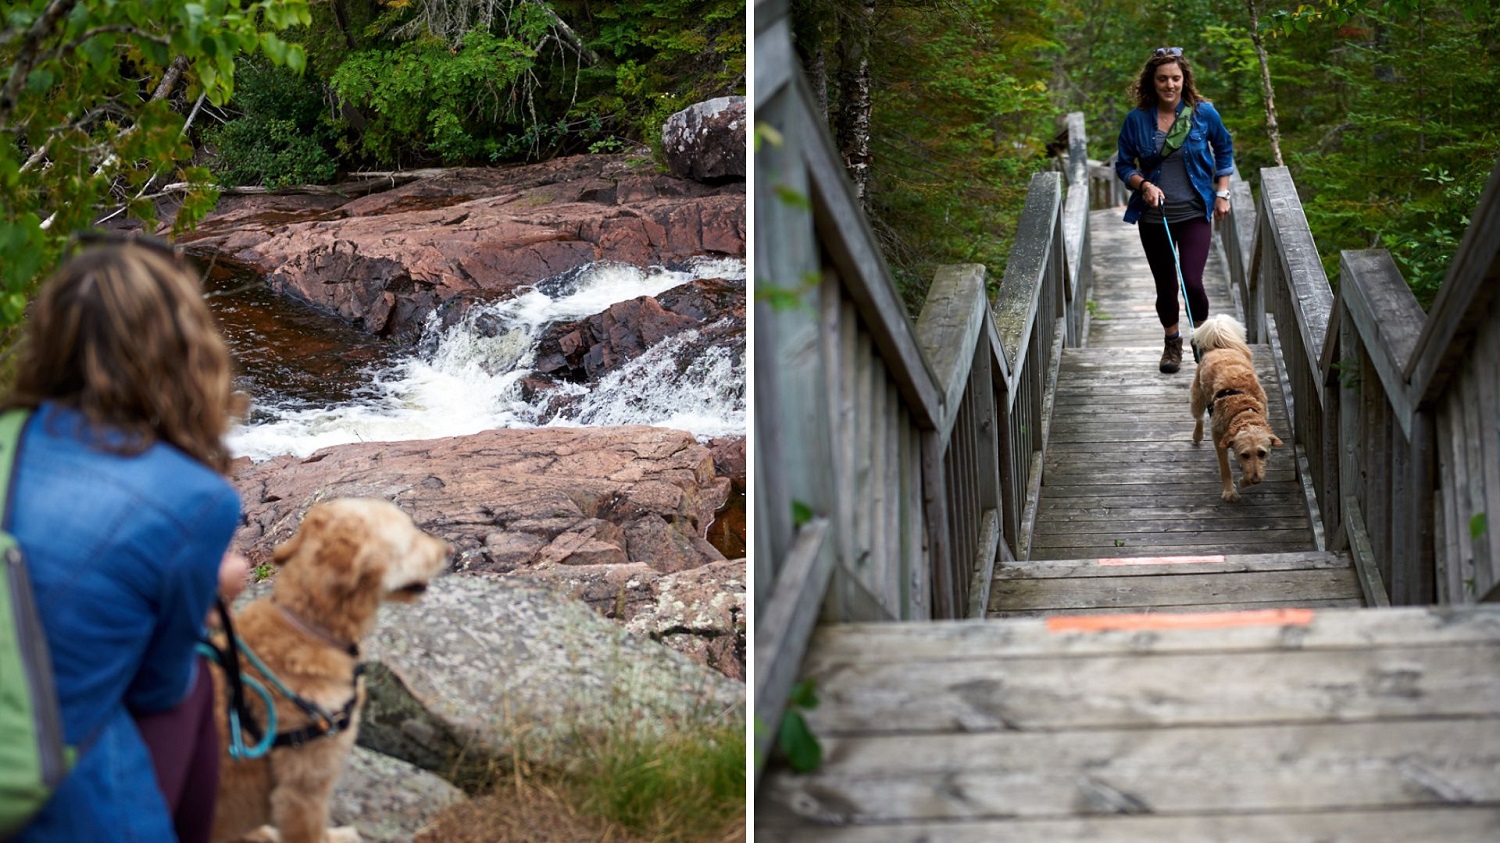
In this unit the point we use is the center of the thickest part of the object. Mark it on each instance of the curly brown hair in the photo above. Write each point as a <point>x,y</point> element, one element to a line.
<point>1143,89</point>
<point>122,334</point>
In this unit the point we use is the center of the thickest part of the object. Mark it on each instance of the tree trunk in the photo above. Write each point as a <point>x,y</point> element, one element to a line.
<point>1273,131</point>
<point>851,128</point>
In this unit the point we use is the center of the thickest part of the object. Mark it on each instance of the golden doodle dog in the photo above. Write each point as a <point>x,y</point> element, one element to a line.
<point>347,558</point>
<point>1226,386</point>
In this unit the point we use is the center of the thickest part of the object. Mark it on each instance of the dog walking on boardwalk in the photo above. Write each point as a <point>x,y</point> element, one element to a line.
<point>1226,387</point>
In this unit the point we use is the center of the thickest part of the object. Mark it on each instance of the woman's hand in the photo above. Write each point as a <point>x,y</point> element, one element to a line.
<point>233,571</point>
<point>1152,195</point>
<point>1221,208</point>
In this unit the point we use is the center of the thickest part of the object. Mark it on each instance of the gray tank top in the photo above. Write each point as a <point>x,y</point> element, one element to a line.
<point>1183,202</point>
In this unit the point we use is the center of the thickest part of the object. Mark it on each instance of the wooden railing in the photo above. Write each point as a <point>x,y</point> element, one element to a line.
<point>1398,411</point>
<point>895,461</point>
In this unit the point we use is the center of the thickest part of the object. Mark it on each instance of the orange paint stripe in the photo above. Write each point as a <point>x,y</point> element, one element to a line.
<point>1203,620</point>
<point>1161,560</point>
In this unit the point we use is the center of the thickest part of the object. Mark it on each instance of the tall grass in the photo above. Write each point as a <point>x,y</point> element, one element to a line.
<point>681,787</point>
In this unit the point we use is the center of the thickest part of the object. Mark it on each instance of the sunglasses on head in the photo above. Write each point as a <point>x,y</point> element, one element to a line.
<point>96,237</point>
<point>1167,51</point>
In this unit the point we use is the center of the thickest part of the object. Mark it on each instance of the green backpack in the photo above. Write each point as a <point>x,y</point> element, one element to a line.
<point>33,757</point>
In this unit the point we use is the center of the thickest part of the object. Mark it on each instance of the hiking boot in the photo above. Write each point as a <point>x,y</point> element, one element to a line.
<point>1171,356</point>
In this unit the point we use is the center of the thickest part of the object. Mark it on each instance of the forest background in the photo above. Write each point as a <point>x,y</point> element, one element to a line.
<point>109,109</point>
<point>943,109</point>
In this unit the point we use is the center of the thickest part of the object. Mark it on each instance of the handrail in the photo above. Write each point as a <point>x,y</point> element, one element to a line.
<point>1388,402</point>
<point>893,459</point>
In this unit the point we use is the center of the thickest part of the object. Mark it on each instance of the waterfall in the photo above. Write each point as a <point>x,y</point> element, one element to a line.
<point>467,377</point>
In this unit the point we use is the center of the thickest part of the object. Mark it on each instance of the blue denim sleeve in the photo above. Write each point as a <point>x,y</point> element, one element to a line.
<point>187,587</point>
<point>1222,143</point>
<point>1126,153</point>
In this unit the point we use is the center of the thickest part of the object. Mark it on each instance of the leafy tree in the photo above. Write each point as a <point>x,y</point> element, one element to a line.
<point>958,120</point>
<point>88,115</point>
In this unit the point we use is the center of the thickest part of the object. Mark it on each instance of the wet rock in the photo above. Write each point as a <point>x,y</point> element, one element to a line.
<point>706,140</point>
<point>383,261</point>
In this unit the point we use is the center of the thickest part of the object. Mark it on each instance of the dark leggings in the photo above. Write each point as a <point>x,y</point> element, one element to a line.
<point>1192,238</point>
<point>184,746</point>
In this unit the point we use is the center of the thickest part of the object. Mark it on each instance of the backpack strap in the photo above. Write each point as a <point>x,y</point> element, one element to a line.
<point>12,423</point>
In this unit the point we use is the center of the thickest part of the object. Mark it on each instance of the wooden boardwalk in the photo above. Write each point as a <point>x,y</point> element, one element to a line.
<point>1163,666</point>
<point>1130,516</point>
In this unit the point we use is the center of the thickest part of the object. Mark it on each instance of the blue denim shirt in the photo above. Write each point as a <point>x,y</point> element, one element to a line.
<point>123,553</point>
<point>1207,154</point>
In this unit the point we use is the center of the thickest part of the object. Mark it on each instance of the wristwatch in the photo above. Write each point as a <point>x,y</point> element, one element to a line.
<point>1222,194</point>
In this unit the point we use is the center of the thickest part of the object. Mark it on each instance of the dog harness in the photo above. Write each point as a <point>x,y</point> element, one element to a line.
<point>1223,393</point>
<point>324,723</point>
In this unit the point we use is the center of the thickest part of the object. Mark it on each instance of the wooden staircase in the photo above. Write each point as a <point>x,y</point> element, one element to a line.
<point>1286,725</point>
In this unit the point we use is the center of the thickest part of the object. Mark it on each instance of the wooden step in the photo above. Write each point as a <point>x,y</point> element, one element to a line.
<point>1177,583</point>
<point>1288,725</point>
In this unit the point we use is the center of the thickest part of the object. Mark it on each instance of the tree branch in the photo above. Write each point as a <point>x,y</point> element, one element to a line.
<point>43,28</point>
<point>101,30</point>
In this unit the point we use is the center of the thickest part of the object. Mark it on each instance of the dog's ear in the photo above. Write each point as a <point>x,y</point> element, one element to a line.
<point>289,548</point>
<point>1275,443</point>
<point>343,558</point>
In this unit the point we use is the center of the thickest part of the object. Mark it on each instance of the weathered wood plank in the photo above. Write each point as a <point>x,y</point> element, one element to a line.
<point>1173,565</point>
<point>786,623</point>
<point>1254,769</point>
<point>1015,305</point>
<point>866,280</point>
<point>1475,824</point>
<point>948,330</point>
<point>1108,691</point>
<point>1388,319</point>
<point>833,647</point>
<point>1192,609</point>
<point>1186,589</point>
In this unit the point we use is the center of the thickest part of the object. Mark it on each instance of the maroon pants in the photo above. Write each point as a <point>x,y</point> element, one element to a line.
<point>1192,239</point>
<point>184,746</point>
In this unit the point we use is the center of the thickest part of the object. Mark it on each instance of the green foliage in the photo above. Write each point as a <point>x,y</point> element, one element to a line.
<point>1385,107</point>
<point>282,138</point>
<point>801,747</point>
<point>427,101</point>
<point>961,117</point>
<point>663,55</point>
<point>79,126</point>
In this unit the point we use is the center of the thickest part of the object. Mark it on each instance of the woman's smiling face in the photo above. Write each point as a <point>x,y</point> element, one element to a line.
<point>1168,80</point>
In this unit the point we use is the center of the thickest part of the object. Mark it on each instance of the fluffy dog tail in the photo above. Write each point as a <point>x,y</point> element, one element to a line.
<point>1220,331</point>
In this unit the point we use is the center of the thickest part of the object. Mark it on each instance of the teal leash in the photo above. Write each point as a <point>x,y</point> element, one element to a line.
<point>237,680</point>
<point>237,748</point>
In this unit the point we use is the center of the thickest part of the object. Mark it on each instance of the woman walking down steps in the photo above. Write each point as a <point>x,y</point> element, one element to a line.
<point>1174,189</point>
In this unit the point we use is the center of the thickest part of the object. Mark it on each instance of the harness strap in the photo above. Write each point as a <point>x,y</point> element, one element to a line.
<point>1223,393</point>
<point>324,723</point>
<point>340,721</point>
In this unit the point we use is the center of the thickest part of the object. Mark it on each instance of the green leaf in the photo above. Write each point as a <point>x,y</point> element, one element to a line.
<point>1477,525</point>
<point>803,752</point>
<point>792,198</point>
<point>40,80</point>
<point>804,694</point>
<point>296,58</point>
<point>801,513</point>
<point>273,47</point>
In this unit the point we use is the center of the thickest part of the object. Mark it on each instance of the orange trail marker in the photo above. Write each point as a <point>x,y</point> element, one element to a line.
<point>1195,620</point>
